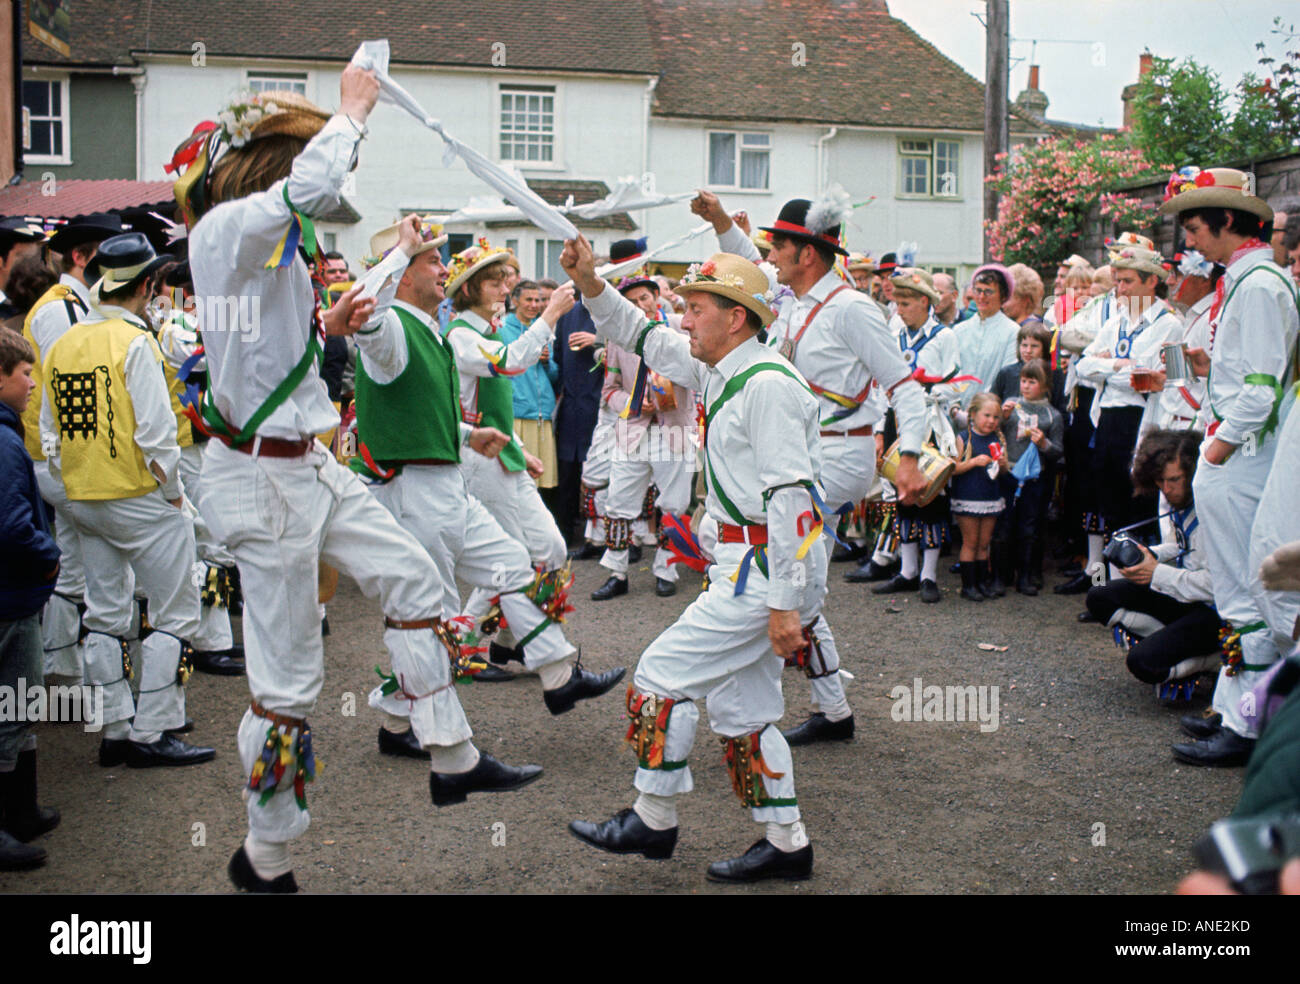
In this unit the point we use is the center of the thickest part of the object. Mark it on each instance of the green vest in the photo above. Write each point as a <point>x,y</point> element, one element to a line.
<point>496,407</point>
<point>416,415</point>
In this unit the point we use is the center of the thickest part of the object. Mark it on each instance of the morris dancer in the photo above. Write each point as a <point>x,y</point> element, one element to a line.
<point>837,338</point>
<point>762,461</point>
<point>274,495</point>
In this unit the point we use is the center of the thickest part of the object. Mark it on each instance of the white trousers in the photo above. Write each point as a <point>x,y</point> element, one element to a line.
<point>1227,499</point>
<point>1278,522</point>
<point>279,517</point>
<point>512,498</point>
<point>464,540</point>
<point>152,539</point>
<point>718,651</point>
<point>631,475</point>
<point>61,618</point>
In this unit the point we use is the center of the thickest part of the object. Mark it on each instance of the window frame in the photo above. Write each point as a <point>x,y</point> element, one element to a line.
<point>931,156</point>
<point>555,91</point>
<point>65,118</point>
<point>251,75</point>
<point>737,155</point>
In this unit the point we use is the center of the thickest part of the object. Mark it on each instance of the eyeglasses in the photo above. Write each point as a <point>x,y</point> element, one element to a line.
<point>984,291</point>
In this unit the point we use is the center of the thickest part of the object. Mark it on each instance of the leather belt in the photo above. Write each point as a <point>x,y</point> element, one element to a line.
<point>275,447</point>
<point>281,719</point>
<point>866,431</point>
<point>419,623</point>
<point>755,535</point>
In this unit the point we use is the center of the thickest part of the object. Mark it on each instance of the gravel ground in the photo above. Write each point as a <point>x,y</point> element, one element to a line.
<point>906,807</point>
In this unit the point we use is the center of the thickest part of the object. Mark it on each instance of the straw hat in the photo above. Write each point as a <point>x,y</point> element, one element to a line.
<point>386,239</point>
<point>470,261</point>
<point>736,279</point>
<point>762,242</point>
<point>1139,259</point>
<point>913,278</point>
<point>265,114</point>
<point>861,261</point>
<point>1218,187</point>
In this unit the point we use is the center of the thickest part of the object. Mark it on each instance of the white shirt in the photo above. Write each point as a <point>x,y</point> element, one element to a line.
<point>1172,407</point>
<point>1157,325</point>
<point>984,346</point>
<point>762,443</point>
<point>473,350</point>
<point>256,322</point>
<point>155,422</point>
<point>1183,575</point>
<point>54,319</point>
<point>1256,334</point>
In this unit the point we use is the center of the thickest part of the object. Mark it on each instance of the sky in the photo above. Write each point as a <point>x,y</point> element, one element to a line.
<point>1083,79</point>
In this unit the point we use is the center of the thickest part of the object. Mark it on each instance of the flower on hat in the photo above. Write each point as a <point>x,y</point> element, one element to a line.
<point>1204,180</point>
<point>239,118</point>
<point>708,268</point>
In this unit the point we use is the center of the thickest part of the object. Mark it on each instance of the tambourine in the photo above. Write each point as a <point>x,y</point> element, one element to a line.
<point>935,467</point>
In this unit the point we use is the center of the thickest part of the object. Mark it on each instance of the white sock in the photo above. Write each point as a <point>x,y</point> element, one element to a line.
<point>270,859</point>
<point>882,558</point>
<point>145,737</point>
<point>782,836</point>
<point>396,724</point>
<point>117,730</point>
<point>1095,541</point>
<point>838,711</point>
<point>910,553</point>
<point>554,675</point>
<point>656,812</point>
<point>453,759</point>
<point>930,564</point>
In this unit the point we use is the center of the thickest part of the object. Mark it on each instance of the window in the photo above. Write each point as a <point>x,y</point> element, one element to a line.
<point>929,168</point>
<point>546,260</point>
<point>527,123</point>
<point>45,122</point>
<point>739,160</point>
<point>262,81</point>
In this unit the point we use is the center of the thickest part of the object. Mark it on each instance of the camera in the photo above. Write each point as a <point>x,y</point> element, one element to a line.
<point>1122,551</point>
<point>1250,853</point>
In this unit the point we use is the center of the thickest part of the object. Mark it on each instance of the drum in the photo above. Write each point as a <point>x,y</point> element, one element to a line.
<point>935,467</point>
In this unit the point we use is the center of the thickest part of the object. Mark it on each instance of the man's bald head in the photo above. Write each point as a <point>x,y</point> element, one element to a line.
<point>946,309</point>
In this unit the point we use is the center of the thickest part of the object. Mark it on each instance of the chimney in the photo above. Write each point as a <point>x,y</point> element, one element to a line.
<point>1144,66</point>
<point>1032,101</point>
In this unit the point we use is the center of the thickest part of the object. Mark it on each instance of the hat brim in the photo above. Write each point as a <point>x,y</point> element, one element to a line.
<point>765,313</point>
<point>1141,266</point>
<point>107,283</point>
<point>1212,197</point>
<point>869,267</point>
<point>459,280</point>
<point>638,282</point>
<point>804,238</point>
<point>906,283</point>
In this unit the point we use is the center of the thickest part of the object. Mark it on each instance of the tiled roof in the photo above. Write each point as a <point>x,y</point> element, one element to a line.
<point>577,35</point>
<point>76,196</point>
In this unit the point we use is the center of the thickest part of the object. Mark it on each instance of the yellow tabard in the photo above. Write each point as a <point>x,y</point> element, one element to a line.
<point>32,415</point>
<point>85,380</point>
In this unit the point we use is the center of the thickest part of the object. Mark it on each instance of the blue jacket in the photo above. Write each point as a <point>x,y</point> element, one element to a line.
<point>534,388</point>
<point>580,383</point>
<point>29,551</point>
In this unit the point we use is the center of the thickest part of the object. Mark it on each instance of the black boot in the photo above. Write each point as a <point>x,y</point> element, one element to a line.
<point>17,856</point>
<point>1025,579</point>
<point>1036,563</point>
<point>993,584</point>
<point>23,818</point>
<point>970,585</point>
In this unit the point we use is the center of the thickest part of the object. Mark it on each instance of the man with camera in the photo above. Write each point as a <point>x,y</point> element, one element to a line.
<point>1165,596</point>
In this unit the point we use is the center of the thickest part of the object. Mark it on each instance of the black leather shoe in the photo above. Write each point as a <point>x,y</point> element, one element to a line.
<point>1086,616</point>
<point>501,655</point>
<point>1201,725</point>
<point>184,729</point>
<point>1224,747</point>
<point>764,860</point>
<point>870,572</point>
<point>493,674</point>
<point>819,728</point>
<point>167,750</point>
<point>246,879</point>
<point>665,588</point>
<point>634,553</point>
<point>582,684</point>
<point>489,776</point>
<point>896,584</point>
<point>626,833</point>
<point>845,554</point>
<point>1076,585</point>
<point>588,551</point>
<point>1025,585</point>
<point>220,662</point>
<point>930,592</point>
<point>612,588</point>
<point>325,626</point>
<point>17,856</point>
<point>401,743</point>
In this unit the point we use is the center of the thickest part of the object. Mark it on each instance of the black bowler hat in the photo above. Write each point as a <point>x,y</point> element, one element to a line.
<point>888,263</point>
<point>626,249</point>
<point>124,260</point>
<point>20,229</point>
<point>86,229</point>
<point>793,222</point>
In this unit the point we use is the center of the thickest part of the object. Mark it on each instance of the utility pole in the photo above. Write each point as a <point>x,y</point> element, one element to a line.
<point>997,42</point>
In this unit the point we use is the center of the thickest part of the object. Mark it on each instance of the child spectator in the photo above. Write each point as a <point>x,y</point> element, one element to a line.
<point>1031,420</point>
<point>26,582</point>
<point>976,498</point>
